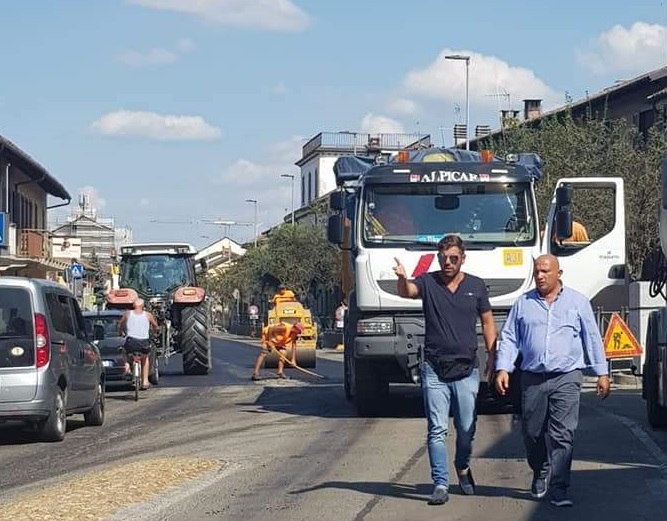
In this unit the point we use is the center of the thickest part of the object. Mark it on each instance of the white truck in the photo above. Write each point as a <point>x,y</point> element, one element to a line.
<point>399,207</point>
<point>654,370</point>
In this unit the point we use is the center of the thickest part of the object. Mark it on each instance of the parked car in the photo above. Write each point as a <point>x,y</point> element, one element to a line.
<point>102,327</point>
<point>49,367</point>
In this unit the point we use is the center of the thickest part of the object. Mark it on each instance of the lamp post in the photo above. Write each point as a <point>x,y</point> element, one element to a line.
<point>291,176</point>
<point>465,58</point>
<point>254,202</point>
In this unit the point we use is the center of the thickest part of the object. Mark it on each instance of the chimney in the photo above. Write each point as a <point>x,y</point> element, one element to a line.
<point>532,109</point>
<point>509,118</point>
<point>482,130</point>
<point>459,134</point>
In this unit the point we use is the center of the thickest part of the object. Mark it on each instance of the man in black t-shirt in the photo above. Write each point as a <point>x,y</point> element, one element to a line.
<point>452,301</point>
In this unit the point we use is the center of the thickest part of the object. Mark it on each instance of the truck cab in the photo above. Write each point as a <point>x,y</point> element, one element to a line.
<point>400,209</point>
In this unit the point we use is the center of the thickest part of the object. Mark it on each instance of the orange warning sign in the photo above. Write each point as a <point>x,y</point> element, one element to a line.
<point>619,342</point>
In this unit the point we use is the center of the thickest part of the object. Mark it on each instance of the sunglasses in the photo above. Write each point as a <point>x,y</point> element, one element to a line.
<point>453,259</point>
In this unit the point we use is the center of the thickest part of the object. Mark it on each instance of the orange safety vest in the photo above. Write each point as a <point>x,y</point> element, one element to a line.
<point>286,296</point>
<point>278,335</point>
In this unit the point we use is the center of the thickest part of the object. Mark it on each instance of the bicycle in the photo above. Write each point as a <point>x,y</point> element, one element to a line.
<point>137,358</point>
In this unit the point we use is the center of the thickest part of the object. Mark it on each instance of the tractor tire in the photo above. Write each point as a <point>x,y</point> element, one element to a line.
<point>194,340</point>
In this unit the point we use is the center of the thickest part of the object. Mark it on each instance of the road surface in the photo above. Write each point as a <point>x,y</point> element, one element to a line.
<point>221,447</point>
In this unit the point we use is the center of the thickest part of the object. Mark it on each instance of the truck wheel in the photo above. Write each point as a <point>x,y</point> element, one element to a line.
<point>369,389</point>
<point>347,375</point>
<point>194,340</point>
<point>656,414</point>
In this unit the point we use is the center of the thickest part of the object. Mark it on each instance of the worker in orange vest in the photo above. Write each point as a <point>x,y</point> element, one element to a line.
<point>278,336</point>
<point>284,295</point>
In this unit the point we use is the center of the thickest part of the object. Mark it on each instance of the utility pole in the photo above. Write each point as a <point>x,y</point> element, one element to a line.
<point>465,58</point>
<point>291,176</point>
<point>254,202</point>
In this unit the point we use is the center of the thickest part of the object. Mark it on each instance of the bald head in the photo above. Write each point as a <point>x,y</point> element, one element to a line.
<point>547,274</point>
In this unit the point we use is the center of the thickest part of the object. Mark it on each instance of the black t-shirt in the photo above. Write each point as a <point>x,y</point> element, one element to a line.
<point>451,318</point>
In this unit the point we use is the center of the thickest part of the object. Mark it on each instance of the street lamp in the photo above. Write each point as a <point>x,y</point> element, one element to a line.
<point>254,201</point>
<point>465,58</point>
<point>291,176</point>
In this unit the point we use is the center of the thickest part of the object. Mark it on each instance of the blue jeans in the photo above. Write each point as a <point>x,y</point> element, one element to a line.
<point>438,398</point>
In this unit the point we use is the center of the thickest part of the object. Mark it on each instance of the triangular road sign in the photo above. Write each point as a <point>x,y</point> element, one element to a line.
<point>619,342</point>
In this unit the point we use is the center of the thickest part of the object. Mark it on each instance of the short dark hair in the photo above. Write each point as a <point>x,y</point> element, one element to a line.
<point>449,241</point>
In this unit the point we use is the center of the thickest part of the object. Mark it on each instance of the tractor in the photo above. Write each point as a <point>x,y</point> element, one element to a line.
<point>163,275</point>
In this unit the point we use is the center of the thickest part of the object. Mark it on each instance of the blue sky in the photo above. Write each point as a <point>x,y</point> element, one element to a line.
<point>180,110</point>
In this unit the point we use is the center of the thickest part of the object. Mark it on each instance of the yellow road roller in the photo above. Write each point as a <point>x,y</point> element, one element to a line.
<point>291,312</point>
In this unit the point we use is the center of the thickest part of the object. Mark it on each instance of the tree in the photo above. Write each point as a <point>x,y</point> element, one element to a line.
<point>298,256</point>
<point>588,147</point>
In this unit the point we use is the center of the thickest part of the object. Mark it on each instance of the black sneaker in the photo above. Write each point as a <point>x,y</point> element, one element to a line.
<point>539,488</point>
<point>466,482</point>
<point>559,499</point>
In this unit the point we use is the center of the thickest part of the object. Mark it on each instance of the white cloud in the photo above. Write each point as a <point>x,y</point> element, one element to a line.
<point>157,55</point>
<point>402,107</point>
<point>375,124</point>
<point>277,15</point>
<point>158,127</point>
<point>260,180</point>
<point>280,89</point>
<point>144,201</point>
<point>445,80</point>
<point>634,50</point>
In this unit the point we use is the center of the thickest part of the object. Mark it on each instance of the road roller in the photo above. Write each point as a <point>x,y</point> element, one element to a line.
<point>291,312</point>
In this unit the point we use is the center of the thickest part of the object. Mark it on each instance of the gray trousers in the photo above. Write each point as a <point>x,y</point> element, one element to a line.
<point>550,415</point>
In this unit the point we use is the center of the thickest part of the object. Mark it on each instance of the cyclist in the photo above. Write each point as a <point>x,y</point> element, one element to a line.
<point>135,325</point>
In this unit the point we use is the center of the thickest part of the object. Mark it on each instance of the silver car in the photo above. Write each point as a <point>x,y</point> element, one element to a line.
<point>49,368</point>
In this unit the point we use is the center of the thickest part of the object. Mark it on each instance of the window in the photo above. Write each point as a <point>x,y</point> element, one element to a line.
<point>60,312</point>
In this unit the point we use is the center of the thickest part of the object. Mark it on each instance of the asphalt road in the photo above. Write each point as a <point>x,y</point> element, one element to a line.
<point>294,450</point>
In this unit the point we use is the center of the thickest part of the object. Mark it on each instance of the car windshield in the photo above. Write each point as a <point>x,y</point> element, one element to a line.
<point>155,274</point>
<point>487,214</point>
<point>109,323</point>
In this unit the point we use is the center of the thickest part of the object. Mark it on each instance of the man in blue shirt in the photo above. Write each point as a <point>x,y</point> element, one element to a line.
<point>452,301</point>
<point>554,329</point>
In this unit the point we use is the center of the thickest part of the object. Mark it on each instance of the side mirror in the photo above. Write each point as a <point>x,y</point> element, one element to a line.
<point>564,196</point>
<point>98,332</point>
<point>337,201</point>
<point>335,231</point>
<point>563,224</point>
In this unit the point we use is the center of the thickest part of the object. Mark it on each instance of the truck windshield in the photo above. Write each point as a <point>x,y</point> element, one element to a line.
<point>486,214</point>
<point>154,274</point>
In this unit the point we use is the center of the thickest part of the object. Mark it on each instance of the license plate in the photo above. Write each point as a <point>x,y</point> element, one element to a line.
<point>107,363</point>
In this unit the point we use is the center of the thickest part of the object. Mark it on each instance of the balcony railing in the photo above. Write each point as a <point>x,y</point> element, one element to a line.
<point>34,243</point>
<point>351,140</point>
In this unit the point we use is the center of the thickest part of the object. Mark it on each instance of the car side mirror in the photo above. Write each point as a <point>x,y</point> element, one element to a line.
<point>98,332</point>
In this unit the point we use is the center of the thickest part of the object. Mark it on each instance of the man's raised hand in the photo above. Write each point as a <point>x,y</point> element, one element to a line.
<point>399,269</point>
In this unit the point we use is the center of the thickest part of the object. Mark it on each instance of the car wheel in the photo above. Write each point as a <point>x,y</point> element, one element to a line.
<point>95,416</point>
<point>55,426</point>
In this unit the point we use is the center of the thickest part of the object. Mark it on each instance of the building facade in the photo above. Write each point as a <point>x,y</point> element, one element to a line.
<point>95,234</point>
<point>26,188</point>
<point>320,153</point>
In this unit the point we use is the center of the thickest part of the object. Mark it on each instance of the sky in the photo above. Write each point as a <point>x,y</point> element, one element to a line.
<point>170,113</point>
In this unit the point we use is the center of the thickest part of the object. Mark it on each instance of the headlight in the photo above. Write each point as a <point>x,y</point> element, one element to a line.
<point>376,326</point>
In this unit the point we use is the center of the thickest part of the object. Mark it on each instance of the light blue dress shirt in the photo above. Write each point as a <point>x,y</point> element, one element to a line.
<point>555,338</point>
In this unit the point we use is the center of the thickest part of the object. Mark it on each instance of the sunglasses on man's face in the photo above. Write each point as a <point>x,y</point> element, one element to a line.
<point>453,259</point>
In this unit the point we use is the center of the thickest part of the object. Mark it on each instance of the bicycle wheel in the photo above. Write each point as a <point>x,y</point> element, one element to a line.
<point>136,373</point>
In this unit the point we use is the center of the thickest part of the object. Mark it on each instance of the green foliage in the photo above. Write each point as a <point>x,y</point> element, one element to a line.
<point>590,147</point>
<point>298,256</point>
